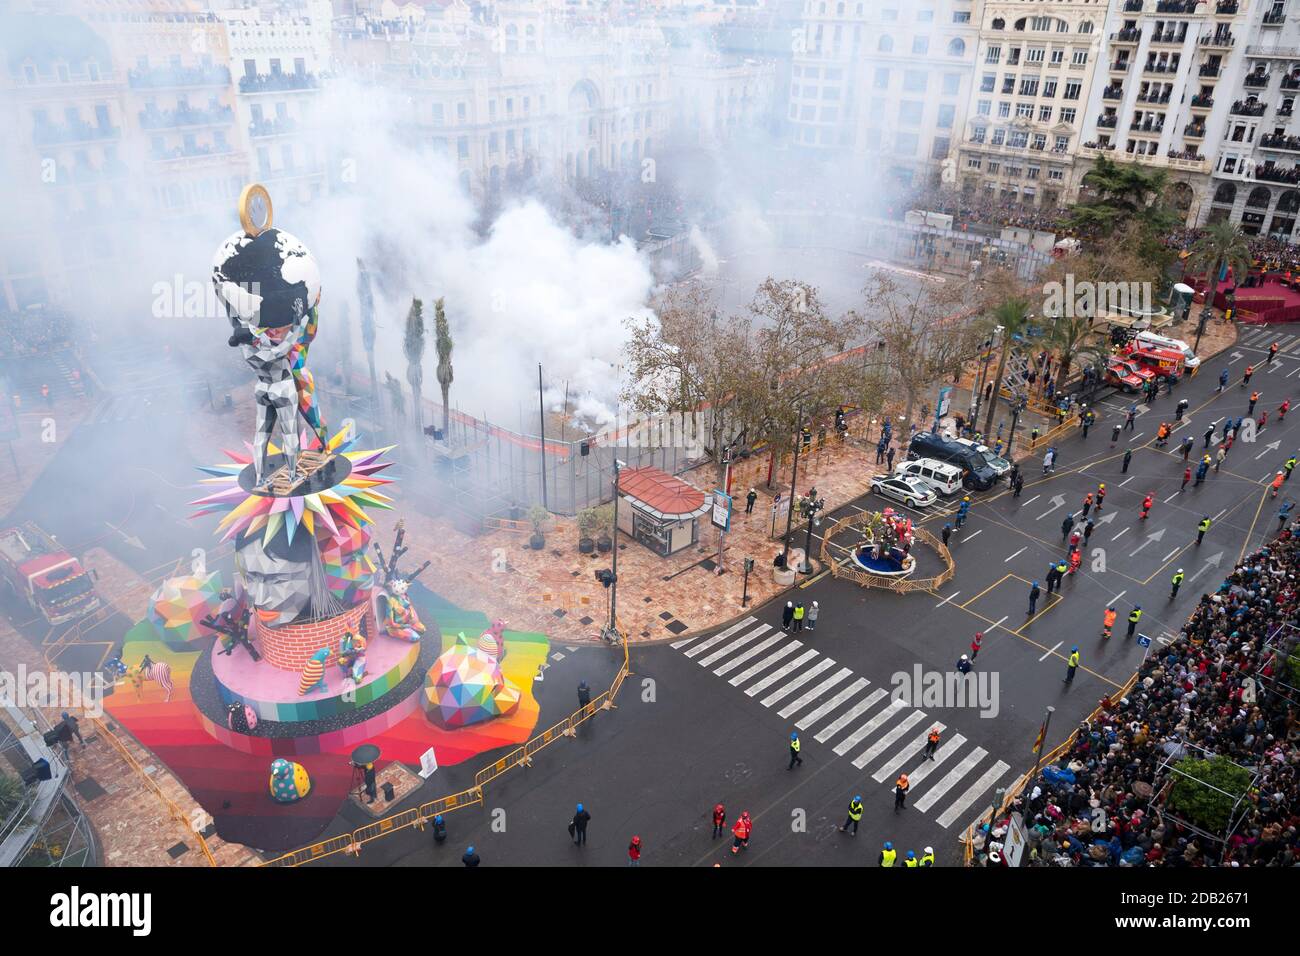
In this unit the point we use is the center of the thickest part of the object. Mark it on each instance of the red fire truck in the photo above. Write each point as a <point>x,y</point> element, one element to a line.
<point>44,575</point>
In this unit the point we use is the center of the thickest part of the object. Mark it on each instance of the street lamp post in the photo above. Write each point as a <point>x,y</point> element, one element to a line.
<point>1015,422</point>
<point>744,596</point>
<point>794,477</point>
<point>813,506</point>
<point>611,629</point>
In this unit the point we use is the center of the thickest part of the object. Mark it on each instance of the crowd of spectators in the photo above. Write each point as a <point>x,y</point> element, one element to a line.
<point>1211,692</point>
<point>969,211</point>
<point>1268,254</point>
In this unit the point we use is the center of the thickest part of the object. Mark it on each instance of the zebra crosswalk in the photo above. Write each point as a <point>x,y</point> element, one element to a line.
<point>860,722</point>
<point>1262,338</point>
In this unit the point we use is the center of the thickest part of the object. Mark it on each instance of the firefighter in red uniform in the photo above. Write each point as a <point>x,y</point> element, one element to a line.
<point>1146,506</point>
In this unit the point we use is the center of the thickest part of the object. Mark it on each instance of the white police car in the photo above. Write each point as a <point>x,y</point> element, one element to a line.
<point>907,489</point>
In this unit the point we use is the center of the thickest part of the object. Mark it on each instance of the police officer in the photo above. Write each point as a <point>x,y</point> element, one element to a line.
<point>854,817</point>
<point>1072,665</point>
<point>1134,616</point>
<point>1201,527</point>
<point>911,861</point>
<point>1180,408</point>
<point>927,856</point>
<point>794,752</point>
<point>584,694</point>
<point>947,532</point>
<point>888,855</point>
<point>1177,582</point>
<point>1034,591</point>
<point>439,829</point>
<point>1288,468</point>
<point>749,501</point>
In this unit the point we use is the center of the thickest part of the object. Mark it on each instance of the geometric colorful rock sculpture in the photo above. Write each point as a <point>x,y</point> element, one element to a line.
<point>465,685</point>
<point>313,673</point>
<point>289,781</point>
<point>179,604</point>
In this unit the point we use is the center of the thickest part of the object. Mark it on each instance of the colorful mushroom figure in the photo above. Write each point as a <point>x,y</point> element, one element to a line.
<point>400,619</point>
<point>289,781</point>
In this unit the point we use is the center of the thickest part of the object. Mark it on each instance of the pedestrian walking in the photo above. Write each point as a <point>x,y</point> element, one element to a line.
<point>1283,409</point>
<point>470,858</point>
<point>889,456</point>
<point>634,852</point>
<point>795,759</point>
<point>1075,538</point>
<point>1187,447</point>
<point>976,643</point>
<point>1076,559</point>
<point>963,665</point>
<point>1114,435</point>
<point>799,613</point>
<point>1202,470</point>
<point>1049,460</point>
<point>719,819</point>
<point>578,825</point>
<point>1072,664</point>
<point>854,817</point>
<point>1187,476</point>
<point>931,744</point>
<point>73,728</point>
<point>1128,456</point>
<point>1263,420</point>
<point>901,786</point>
<point>1134,616</point>
<point>742,831</point>
<point>1202,526</point>
<point>1176,582</point>
<point>1108,622</point>
<point>1277,483</point>
<point>1272,353</point>
<point>927,857</point>
<point>1146,506</point>
<point>1223,380</point>
<point>947,532</point>
<point>1245,379</point>
<point>787,616</point>
<point>810,616</point>
<point>750,498</point>
<point>1017,485</point>
<point>439,829</point>
<point>584,694</point>
<point>1034,592</point>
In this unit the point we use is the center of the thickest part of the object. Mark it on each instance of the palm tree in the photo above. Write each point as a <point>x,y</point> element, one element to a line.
<point>443,344</point>
<point>1070,336</point>
<point>413,347</point>
<point>395,395</point>
<point>1012,316</point>
<point>1220,247</point>
<point>366,300</point>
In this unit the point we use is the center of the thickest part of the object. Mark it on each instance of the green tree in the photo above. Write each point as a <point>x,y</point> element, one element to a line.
<point>1205,791</point>
<point>395,395</point>
<point>1012,315</point>
<point>1221,246</point>
<point>413,347</point>
<point>1117,194</point>
<point>442,345</point>
<point>366,301</point>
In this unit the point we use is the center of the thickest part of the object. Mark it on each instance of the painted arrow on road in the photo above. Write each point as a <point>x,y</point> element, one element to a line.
<point>1153,536</point>
<point>130,539</point>
<point>1210,562</point>
<point>1271,446</point>
<point>1106,520</point>
<point>1057,502</point>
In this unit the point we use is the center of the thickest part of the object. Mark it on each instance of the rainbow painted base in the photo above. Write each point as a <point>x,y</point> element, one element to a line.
<point>330,741</point>
<point>273,693</point>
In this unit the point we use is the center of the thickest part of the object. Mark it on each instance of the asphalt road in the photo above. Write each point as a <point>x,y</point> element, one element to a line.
<point>708,719</point>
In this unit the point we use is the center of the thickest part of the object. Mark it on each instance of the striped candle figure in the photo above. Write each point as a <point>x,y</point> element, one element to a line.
<point>313,673</point>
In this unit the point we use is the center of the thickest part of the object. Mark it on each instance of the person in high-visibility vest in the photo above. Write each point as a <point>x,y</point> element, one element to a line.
<point>888,855</point>
<point>1101,496</point>
<point>1076,558</point>
<point>1108,622</point>
<point>1202,526</point>
<point>1134,616</point>
<point>1254,397</point>
<point>854,817</point>
<point>900,792</point>
<point>931,744</point>
<point>1072,664</point>
<point>741,831</point>
<point>927,856</point>
<point>795,759</point>
<point>1177,582</point>
<point>1288,468</point>
<point>1277,483</point>
<point>911,860</point>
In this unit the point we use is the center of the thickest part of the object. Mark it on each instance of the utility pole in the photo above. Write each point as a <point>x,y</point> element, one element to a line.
<point>794,476</point>
<point>611,629</point>
<point>541,417</point>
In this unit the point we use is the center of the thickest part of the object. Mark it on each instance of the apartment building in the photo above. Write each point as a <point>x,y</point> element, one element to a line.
<point>888,83</point>
<point>1035,67</point>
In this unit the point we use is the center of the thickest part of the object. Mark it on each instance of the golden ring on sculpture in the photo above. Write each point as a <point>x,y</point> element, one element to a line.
<point>251,192</point>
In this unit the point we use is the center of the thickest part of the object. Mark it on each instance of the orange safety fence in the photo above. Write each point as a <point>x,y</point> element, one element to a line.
<point>968,838</point>
<point>418,817</point>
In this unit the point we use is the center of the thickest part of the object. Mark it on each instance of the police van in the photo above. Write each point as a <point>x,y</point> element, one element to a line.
<point>943,478</point>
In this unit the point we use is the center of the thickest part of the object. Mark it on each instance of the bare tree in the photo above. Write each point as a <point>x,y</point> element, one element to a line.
<point>443,345</point>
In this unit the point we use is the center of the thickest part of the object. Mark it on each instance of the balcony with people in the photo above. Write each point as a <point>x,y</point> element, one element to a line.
<point>1219,40</point>
<point>278,82</point>
<point>153,118</point>
<point>1257,80</point>
<point>1177,6</point>
<point>169,77</point>
<point>1269,173</point>
<point>1274,18</point>
<point>1280,141</point>
<point>1250,107</point>
<point>1194,131</point>
<point>1107,121</point>
<point>272,126</point>
<point>45,133</point>
<point>1201,101</point>
<point>1127,35</point>
<point>1113,92</point>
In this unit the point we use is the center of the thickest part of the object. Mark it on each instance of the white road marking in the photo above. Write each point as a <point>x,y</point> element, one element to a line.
<point>717,639</point>
<point>734,646</point>
<point>1016,555</point>
<point>991,776</point>
<point>1126,481</point>
<point>677,645</point>
<point>822,710</point>
<point>765,663</point>
<point>876,749</point>
<point>956,773</point>
<point>948,598</point>
<point>910,752</point>
<point>866,730</point>
<point>799,703</point>
<point>781,693</point>
<point>754,651</point>
<point>1049,653</point>
<point>1169,555</point>
<point>973,536</point>
<point>857,710</point>
<point>1030,501</point>
<point>1171,497</point>
<point>1121,534</point>
<point>996,624</point>
<point>947,749</point>
<point>1116,598</point>
<point>1220,514</point>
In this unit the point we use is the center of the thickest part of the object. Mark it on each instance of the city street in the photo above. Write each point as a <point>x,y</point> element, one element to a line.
<point>708,719</point>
